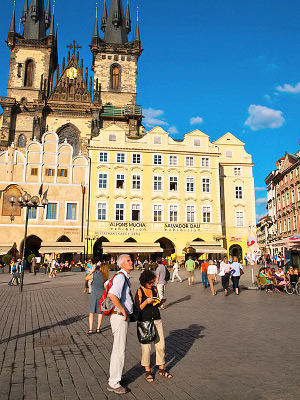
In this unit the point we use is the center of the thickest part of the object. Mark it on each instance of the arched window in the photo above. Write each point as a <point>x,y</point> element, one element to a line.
<point>115,77</point>
<point>21,141</point>
<point>28,73</point>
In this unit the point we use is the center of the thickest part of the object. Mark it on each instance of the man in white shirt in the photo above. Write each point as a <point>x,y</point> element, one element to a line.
<point>121,297</point>
<point>175,271</point>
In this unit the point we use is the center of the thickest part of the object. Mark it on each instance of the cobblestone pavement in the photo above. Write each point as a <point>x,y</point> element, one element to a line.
<point>235,347</point>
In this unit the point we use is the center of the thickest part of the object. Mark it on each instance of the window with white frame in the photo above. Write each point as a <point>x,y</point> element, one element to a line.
<point>173,160</point>
<point>284,225</point>
<point>157,182</point>
<point>71,212</point>
<point>32,213</point>
<point>173,183</point>
<point>51,211</point>
<point>102,211</point>
<point>206,185</point>
<point>190,184</point>
<point>157,159</point>
<point>197,142</point>
<point>283,200</point>
<point>120,158</point>
<point>157,213</point>
<point>173,212</point>
<point>205,161</point>
<point>120,181</point>
<point>294,222</point>
<point>112,138</point>
<point>298,193</point>
<point>239,218</point>
<point>293,197</point>
<point>103,157</point>
<point>291,175</point>
<point>279,204</point>
<point>228,153</point>
<point>136,181</point>
<point>206,213</point>
<point>157,139</point>
<point>237,171</point>
<point>102,181</point>
<point>189,161</point>
<point>190,213</point>
<point>239,192</point>
<point>136,158</point>
<point>136,212</point>
<point>289,224</point>
<point>120,214</point>
<point>287,199</point>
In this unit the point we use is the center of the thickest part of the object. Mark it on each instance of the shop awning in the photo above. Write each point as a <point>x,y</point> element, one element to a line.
<point>4,248</point>
<point>206,248</point>
<point>130,248</point>
<point>62,247</point>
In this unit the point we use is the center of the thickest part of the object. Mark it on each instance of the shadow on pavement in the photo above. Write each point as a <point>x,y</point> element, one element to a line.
<point>186,298</point>
<point>65,322</point>
<point>178,344</point>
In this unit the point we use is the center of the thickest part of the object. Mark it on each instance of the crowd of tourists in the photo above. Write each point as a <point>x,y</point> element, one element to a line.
<point>278,280</point>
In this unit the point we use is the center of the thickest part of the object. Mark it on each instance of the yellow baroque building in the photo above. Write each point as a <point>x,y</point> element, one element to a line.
<point>156,195</point>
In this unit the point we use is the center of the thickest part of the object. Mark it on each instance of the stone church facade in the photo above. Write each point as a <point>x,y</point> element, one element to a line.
<point>43,95</point>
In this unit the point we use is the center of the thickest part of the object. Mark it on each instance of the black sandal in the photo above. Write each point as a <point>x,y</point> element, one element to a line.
<point>164,373</point>
<point>149,377</point>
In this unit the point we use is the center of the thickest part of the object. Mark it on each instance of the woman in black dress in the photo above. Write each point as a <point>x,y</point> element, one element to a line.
<point>97,290</point>
<point>147,302</point>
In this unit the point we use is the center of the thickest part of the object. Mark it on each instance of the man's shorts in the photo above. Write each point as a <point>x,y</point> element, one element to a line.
<point>190,274</point>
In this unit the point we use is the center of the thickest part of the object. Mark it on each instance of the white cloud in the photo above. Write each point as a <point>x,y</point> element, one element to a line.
<point>287,88</point>
<point>260,189</point>
<point>152,117</point>
<point>196,121</point>
<point>262,117</point>
<point>261,201</point>
<point>173,129</point>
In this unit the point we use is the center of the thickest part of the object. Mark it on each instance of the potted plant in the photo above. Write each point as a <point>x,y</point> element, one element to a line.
<point>6,260</point>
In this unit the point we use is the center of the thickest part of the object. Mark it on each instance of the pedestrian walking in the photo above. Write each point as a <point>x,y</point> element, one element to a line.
<point>175,271</point>
<point>148,306</point>
<point>99,275</point>
<point>190,268</point>
<point>204,278</point>
<point>121,297</point>
<point>225,269</point>
<point>33,265</point>
<point>161,280</point>
<point>237,272</point>
<point>212,271</point>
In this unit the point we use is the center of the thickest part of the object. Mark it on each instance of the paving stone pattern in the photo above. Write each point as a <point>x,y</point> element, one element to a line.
<point>235,347</point>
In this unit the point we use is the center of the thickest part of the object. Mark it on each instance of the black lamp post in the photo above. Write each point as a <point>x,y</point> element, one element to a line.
<point>27,202</point>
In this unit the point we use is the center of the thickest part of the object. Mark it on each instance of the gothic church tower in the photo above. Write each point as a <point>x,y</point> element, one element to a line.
<point>33,61</point>
<point>115,65</point>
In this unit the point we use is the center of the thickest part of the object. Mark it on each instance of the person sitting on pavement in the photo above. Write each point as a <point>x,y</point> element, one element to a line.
<point>263,273</point>
<point>147,303</point>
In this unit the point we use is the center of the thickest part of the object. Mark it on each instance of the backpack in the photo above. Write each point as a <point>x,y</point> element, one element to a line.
<point>106,305</point>
<point>167,277</point>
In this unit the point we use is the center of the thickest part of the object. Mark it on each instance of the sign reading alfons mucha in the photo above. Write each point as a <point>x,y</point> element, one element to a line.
<point>72,73</point>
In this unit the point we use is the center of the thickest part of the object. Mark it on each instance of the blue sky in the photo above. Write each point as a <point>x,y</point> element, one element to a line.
<point>219,66</point>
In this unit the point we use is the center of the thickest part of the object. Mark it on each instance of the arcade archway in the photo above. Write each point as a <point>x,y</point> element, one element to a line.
<point>98,250</point>
<point>33,245</point>
<point>236,251</point>
<point>167,245</point>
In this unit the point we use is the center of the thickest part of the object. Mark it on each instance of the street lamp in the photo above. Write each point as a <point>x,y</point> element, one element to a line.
<point>27,202</point>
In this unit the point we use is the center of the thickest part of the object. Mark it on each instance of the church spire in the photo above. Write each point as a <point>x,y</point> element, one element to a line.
<point>127,18</point>
<point>137,29</point>
<point>25,12</point>
<point>48,15</point>
<point>12,28</point>
<point>52,25</point>
<point>104,17</point>
<point>35,25</point>
<point>115,30</point>
<point>96,30</point>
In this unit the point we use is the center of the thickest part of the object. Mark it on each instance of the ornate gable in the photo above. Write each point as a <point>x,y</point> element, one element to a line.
<point>71,86</point>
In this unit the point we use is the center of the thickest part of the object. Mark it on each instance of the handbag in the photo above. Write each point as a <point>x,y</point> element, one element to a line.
<point>241,272</point>
<point>222,273</point>
<point>146,331</point>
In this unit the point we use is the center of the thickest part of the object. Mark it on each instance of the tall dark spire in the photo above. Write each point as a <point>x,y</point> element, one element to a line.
<point>127,18</point>
<point>48,15</point>
<point>52,25</point>
<point>137,29</point>
<point>96,30</point>
<point>104,17</point>
<point>35,25</point>
<point>115,30</point>
<point>12,28</point>
<point>25,12</point>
